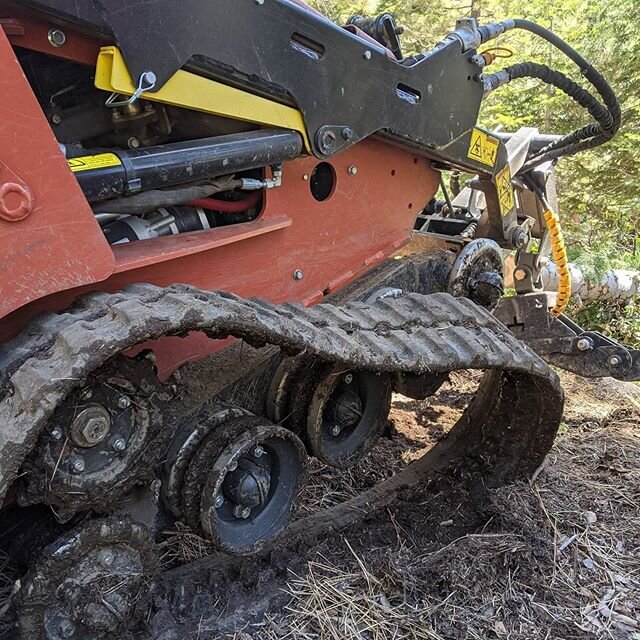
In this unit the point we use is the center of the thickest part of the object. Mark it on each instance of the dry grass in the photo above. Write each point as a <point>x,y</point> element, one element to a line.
<point>556,558</point>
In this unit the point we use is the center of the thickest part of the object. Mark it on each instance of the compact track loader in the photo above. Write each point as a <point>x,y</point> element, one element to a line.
<point>236,179</point>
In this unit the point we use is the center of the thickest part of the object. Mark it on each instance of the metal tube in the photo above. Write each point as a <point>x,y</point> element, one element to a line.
<point>185,162</point>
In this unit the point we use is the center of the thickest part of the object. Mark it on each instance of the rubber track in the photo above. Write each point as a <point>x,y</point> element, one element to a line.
<point>415,334</point>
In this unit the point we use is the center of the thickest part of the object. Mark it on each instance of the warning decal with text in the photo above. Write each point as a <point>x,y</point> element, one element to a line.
<point>87,163</point>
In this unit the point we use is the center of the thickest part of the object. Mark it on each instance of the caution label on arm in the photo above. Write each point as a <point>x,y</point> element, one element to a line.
<point>483,148</point>
<point>505,191</point>
<point>87,163</point>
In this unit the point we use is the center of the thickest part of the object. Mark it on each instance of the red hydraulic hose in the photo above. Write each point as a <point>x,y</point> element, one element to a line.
<point>227,206</point>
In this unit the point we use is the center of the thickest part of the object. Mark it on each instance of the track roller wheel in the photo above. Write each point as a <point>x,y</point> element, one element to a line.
<point>89,584</point>
<point>241,484</point>
<point>418,386</point>
<point>347,414</point>
<point>105,438</point>
<point>183,448</point>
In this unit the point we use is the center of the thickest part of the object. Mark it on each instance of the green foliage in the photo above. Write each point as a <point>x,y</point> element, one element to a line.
<point>599,191</point>
<point>617,320</point>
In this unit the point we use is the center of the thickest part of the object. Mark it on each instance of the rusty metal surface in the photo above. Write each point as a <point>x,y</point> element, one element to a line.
<point>57,244</point>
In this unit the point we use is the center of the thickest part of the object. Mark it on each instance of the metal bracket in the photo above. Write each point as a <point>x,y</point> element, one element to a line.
<point>563,343</point>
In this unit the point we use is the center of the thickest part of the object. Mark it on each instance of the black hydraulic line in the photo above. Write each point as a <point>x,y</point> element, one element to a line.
<point>187,162</point>
<point>608,120</point>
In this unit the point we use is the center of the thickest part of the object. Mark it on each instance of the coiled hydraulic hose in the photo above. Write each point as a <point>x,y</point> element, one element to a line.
<point>559,254</point>
<point>608,117</point>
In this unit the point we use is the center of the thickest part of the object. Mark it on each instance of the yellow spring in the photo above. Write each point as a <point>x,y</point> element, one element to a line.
<point>559,254</point>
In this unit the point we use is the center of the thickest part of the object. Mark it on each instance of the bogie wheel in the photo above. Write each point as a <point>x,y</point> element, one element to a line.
<point>242,483</point>
<point>89,584</point>
<point>347,414</point>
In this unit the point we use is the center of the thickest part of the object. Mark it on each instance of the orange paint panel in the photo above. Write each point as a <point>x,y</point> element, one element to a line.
<point>58,245</point>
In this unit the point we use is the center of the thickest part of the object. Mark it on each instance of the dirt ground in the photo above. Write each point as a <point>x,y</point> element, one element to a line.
<point>554,558</point>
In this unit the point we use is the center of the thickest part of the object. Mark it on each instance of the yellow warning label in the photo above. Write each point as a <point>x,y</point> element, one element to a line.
<point>483,148</point>
<point>101,161</point>
<point>505,190</point>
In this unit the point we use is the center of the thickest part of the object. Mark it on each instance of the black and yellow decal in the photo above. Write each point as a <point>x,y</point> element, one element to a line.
<point>505,190</point>
<point>483,148</point>
<point>87,163</point>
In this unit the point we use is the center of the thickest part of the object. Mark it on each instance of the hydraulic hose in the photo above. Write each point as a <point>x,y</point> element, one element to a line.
<point>608,117</point>
<point>227,206</point>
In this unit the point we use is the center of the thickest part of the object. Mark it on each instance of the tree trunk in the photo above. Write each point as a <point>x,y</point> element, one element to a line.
<point>617,285</point>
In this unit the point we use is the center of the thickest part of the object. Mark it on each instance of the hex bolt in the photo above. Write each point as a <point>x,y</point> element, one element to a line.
<point>258,452</point>
<point>347,133</point>
<point>219,500</point>
<point>353,170</point>
<point>106,558</point>
<point>585,344</point>
<point>348,378</point>
<point>367,55</point>
<point>56,118</point>
<point>67,628</point>
<point>615,361</point>
<point>133,143</point>
<point>241,512</point>
<point>305,177</point>
<point>56,434</point>
<point>232,466</point>
<point>56,37</point>
<point>298,274</point>
<point>336,430</point>
<point>77,464</point>
<point>520,274</point>
<point>124,402</point>
<point>118,444</point>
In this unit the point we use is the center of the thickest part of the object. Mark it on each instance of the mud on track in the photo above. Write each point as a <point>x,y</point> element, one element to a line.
<point>555,558</point>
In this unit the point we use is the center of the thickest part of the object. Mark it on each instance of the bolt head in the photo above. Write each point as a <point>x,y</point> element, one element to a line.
<point>298,274</point>
<point>241,512</point>
<point>86,394</point>
<point>106,558</point>
<point>232,466</point>
<point>367,55</point>
<point>219,500</point>
<point>348,378</point>
<point>585,344</point>
<point>615,361</point>
<point>258,452</point>
<point>353,170</point>
<point>56,118</point>
<point>336,430</point>
<point>96,430</point>
<point>78,464</point>
<point>133,143</point>
<point>56,434</point>
<point>520,274</point>
<point>119,444</point>
<point>124,402</point>
<point>305,177</point>
<point>347,133</point>
<point>57,38</point>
